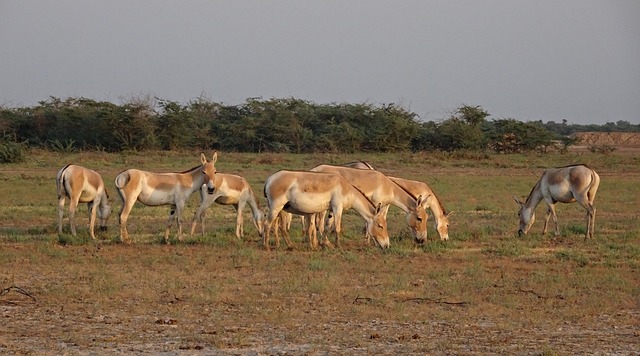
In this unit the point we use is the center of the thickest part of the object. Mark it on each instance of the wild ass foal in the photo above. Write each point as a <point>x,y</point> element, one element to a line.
<point>233,190</point>
<point>417,188</point>
<point>566,185</point>
<point>307,193</point>
<point>155,189</point>
<point>381,190</point>
<point>82,185</point>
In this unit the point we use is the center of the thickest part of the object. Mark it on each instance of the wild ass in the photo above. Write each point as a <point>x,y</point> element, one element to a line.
<point>82,185</point>
<point>233,190</point>
<point>566,185</point>
<point>155,189</point>
<point>307,193</point>
<point>381,190</point>
<point>416,188</point>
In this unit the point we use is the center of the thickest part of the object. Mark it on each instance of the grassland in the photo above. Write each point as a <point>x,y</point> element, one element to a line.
<point>484,291</point>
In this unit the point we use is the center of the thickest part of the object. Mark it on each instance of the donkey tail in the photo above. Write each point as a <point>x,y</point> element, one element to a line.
<point>60,182</point>
<point>122,179</point>
<point>595,183</point>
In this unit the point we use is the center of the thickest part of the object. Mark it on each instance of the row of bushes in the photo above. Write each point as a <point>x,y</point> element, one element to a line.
<point>274,125</point>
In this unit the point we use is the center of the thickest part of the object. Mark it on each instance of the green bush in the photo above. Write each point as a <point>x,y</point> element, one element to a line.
<point>11,152</point>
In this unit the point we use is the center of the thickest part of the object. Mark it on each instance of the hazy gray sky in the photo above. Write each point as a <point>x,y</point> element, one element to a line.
<point>544,59</point>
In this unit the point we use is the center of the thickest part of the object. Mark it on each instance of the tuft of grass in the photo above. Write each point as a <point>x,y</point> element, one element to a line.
<point>574,256</point>
<point>437,247</point>
<point>509,248</point>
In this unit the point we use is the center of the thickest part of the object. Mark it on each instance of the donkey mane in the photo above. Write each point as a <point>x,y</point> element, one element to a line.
<point>535,187</point>
<point>364,195</point>
<point>444,210</point>
<point>190,170</point>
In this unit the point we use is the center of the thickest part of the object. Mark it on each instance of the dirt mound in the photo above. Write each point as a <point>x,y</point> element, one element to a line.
<point>631,139</point>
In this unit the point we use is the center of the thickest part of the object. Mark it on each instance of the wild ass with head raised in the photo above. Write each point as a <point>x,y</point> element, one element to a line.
<point>416,188</point>
<point>307,193</point>
<point>155,189</point>
<point>82,185</point>
<point>565,185</point>
<point>381,190</point>
<point>233,190</point>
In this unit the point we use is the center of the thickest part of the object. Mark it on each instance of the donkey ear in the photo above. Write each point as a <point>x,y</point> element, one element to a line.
<point>215,157</point>
<point>517,200</point>
<point>203,158</point>
<point>424,201</point>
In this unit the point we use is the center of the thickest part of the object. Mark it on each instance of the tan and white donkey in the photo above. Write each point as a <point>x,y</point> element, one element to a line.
<point>565,185</point>
<point>307,193</point>
<point>382,190</point>
<point>230,189</point>
<point>155,189</point>
<point>416,189</point>
<point>82,185</point>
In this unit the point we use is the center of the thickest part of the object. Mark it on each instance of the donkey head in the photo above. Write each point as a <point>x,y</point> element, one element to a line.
<point>527,217</point>
<point>209,170</point>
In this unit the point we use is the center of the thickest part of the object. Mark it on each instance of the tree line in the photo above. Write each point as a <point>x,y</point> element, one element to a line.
<point>269,125</point>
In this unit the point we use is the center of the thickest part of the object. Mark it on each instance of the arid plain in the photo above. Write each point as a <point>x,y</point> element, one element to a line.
<point>483,291</point>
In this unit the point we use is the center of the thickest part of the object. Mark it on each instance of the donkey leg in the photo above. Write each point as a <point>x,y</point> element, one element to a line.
<point>554,216</point>
<point>546,220</point>
<point>73,205</point>
<point>61,202</point>
<point>239,221</point>
<point>178,217</point>
<point>198,216</point>
<point>593,221</point>
<point>93,210</point>
<point>591,217</point>
<point>287,237</point>
<point>123,217</point>
<point>172,217</point>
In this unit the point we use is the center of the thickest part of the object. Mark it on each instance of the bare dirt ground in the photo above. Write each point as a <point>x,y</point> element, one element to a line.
<point>199,299</point>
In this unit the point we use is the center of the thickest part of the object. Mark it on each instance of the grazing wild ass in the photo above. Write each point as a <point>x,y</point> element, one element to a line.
<point>566,185</point>
<point>233,190</point>
<point>381,190</point>
<point>155,189</point>
<point>82,185</point>
<point>416,188</point>
<point>307,193</point>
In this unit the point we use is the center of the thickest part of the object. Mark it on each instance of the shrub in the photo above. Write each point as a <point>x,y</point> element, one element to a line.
<point>11,152</point>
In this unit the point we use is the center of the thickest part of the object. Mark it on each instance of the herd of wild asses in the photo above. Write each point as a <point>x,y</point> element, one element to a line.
<point>310,194</point>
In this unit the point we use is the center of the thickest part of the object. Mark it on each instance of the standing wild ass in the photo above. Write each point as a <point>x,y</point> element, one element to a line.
<point>82,185</point>
<point>566,185</point>
<point>233,190</point>
<point>381,190</point>
<point>416,188</point>
<point>155,189</point>
<point>307,193</point>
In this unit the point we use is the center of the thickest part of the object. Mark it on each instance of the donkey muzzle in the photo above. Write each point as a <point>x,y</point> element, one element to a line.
<point>520,233</point>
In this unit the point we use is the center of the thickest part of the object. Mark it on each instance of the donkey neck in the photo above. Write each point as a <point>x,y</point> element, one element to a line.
<point>254,204</point>
<point>535,196</point>
<point>402,199</point>
<point>197,177</point>
<point>362,205</point>
<point>436,206</point>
